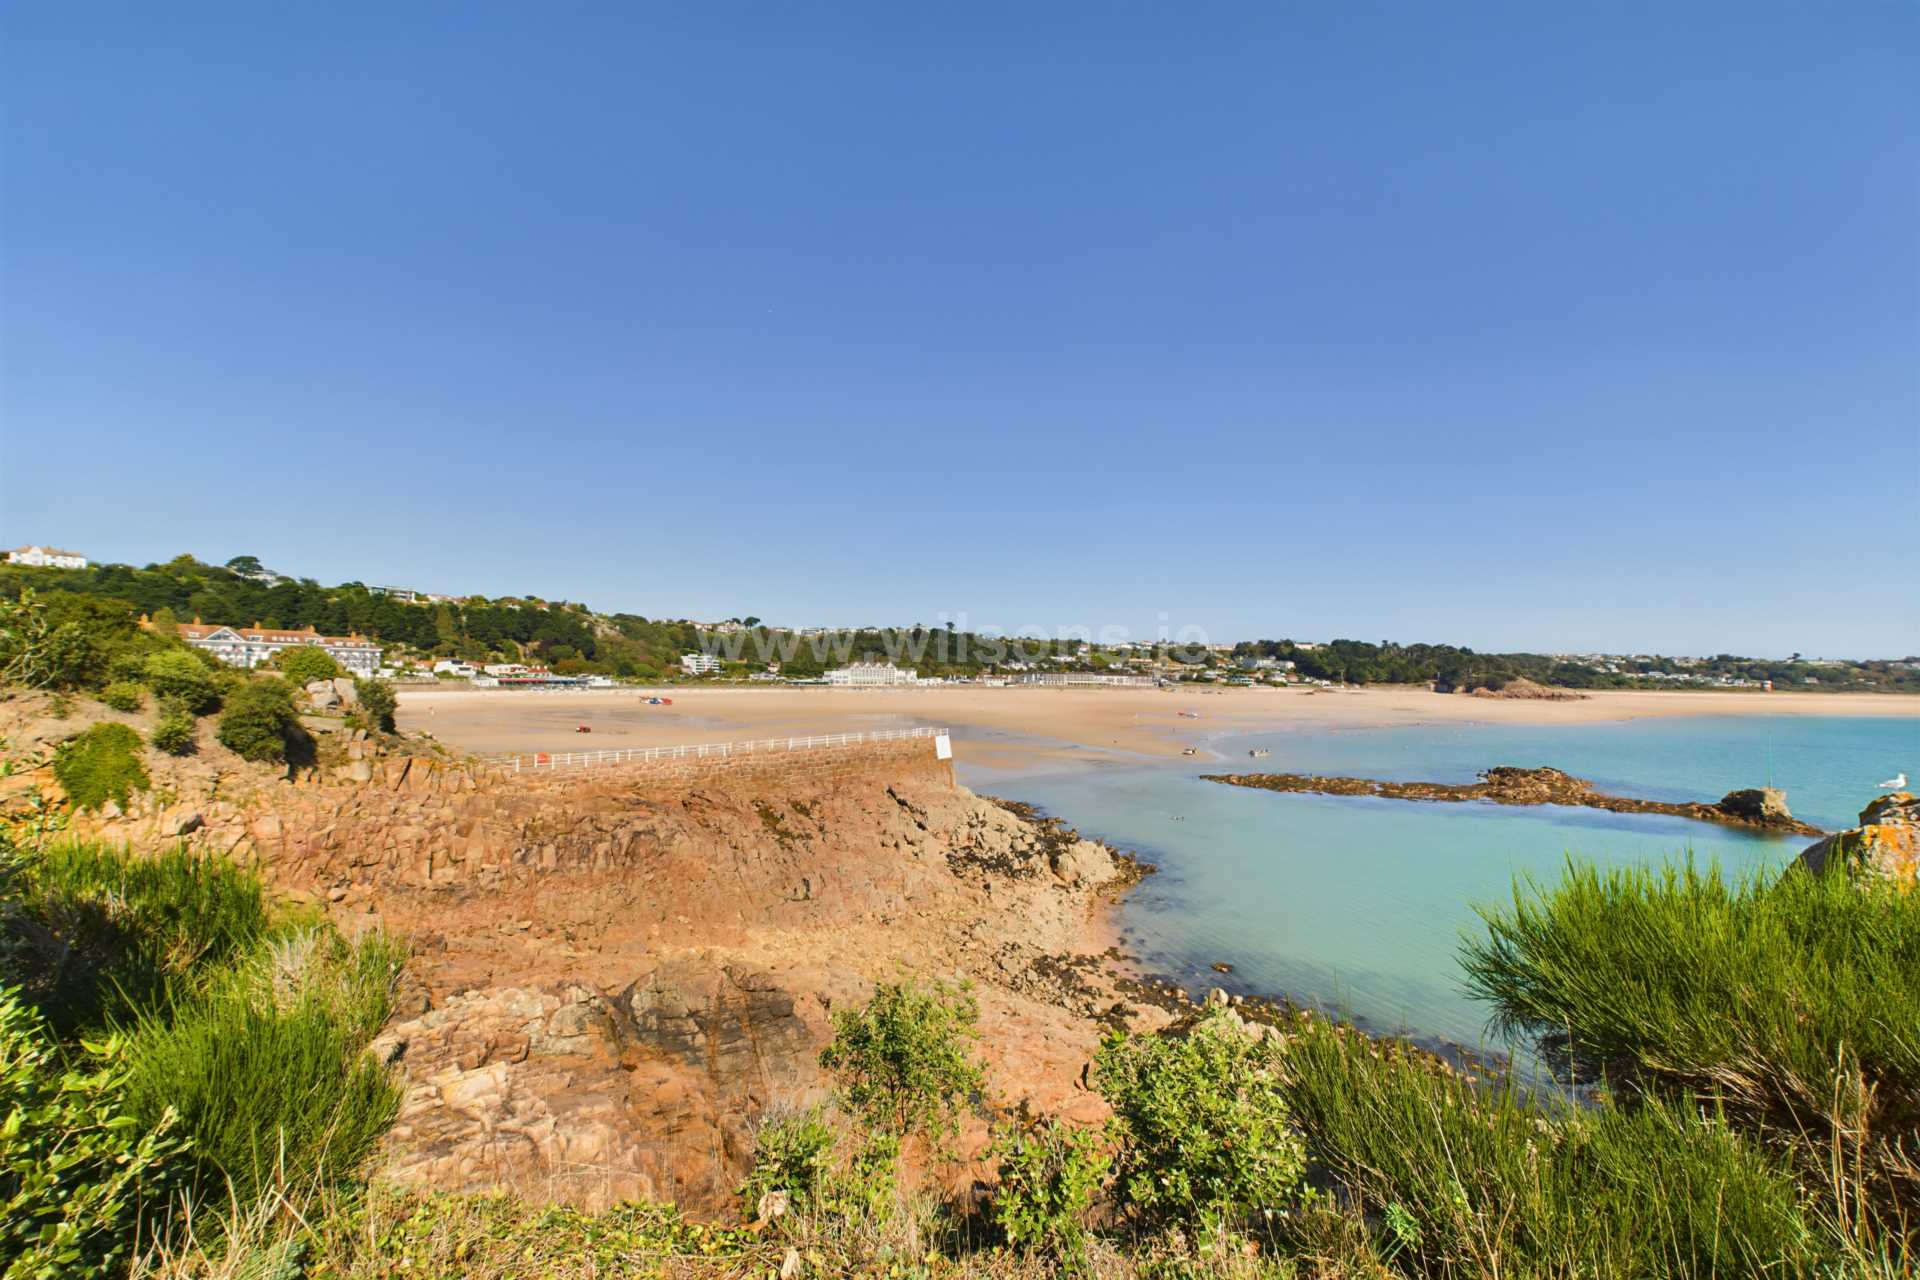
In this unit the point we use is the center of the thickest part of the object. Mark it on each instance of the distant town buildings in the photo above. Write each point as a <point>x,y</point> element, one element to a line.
<point>699,664</point>
<point>870,675</point>
<point>46,558</point>
<point>407,595</point>
<point>1093,679</point>
<point>252,646</point>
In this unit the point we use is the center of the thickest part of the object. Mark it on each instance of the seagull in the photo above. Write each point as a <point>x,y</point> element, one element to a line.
<point>1895,784</point>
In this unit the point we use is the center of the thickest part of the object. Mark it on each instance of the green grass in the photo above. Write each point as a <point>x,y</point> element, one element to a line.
<point>1795,1001</point>
<point>242,1036</point>
<point>266,1069</point>
<point>96,933</point>
<point>1472,1180</point>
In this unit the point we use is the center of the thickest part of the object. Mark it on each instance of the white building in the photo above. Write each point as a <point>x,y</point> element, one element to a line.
<point>868,675</point>
<point>452,667</point>
<point>47,558</point>
<point>1065,679</point>
<point>252,646</point>
<point>699,664</point>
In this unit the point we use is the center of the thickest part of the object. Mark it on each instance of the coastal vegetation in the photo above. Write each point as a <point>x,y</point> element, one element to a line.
<point>100,766</point>
<point>302,664</point>
<point>1792,1004</point>
<point>261,722</point>
<point>195,1099</point>
<point>174,1055</point>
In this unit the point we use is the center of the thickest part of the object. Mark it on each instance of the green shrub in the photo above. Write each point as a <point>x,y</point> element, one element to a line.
<point>267,1071</point>
<point>791,1153</point>
<point>61,641</point>
<point>174,734</point>
<point>1797,1001</point>
<point>1201,1125</point>
<point>77,1173</point>
<point>303,663</point>
<point>100,765</point>
<point>129,666</point>
<point>905,1062</point>
<point>259,720</point>
<point>1049,1174</point>
<point>179,673</point>
<point>1471,1180</point>
<point>123,695</point>
<point>377,703</point>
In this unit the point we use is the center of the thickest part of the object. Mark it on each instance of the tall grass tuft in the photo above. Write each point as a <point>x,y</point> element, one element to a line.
<point>1797,1002</point>
<point>267,1069</point>
<point>97,933</point>
<point>1473,1180</point>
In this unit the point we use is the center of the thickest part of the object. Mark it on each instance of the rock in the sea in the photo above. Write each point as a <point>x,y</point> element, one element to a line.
<point>1762,806</point>
<point>1885,846</point>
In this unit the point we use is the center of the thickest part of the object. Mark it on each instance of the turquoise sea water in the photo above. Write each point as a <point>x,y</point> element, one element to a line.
<point>1359,904</point>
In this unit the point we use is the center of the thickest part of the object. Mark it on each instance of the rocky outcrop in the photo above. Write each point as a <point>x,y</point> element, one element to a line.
<point>1884,847</point>
<point>614,974</point>
<point>608,1016</point>
<point>329,695</point>
<point>1520,688</point>
<point>1763,809</point>
<point>1758,806</point>
<point>564,1092</point>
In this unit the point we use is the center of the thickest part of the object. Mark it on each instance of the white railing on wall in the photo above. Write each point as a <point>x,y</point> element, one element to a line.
<point>528,761</point>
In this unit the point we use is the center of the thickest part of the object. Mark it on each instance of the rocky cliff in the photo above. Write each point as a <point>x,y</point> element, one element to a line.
<point>616,973</point>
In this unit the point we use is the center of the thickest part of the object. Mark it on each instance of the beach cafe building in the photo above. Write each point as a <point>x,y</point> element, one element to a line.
<point>869,675</point>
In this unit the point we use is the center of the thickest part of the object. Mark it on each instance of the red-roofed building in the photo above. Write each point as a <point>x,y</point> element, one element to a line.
<point>252,646</point>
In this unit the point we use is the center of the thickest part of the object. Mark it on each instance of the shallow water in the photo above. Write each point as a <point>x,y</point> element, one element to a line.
<point>1359,904</point>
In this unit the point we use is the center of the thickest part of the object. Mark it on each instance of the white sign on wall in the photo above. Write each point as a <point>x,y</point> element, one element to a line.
<point>942,747</point>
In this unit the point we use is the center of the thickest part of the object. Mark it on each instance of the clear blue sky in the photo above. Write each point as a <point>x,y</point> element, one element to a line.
<point>1515,325</point>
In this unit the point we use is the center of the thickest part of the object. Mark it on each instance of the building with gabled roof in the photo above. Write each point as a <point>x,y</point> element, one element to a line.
<point>255,645</point>
<point>46,558</point>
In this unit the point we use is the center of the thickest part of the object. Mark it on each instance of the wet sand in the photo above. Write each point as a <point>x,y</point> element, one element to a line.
<point>1019,728</point>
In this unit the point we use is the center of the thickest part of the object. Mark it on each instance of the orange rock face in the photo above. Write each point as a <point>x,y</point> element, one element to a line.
<point>616,972</point>
<point>1885,846</point>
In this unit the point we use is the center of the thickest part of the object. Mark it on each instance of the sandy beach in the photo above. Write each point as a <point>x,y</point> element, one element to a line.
<point>1017,728</point>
